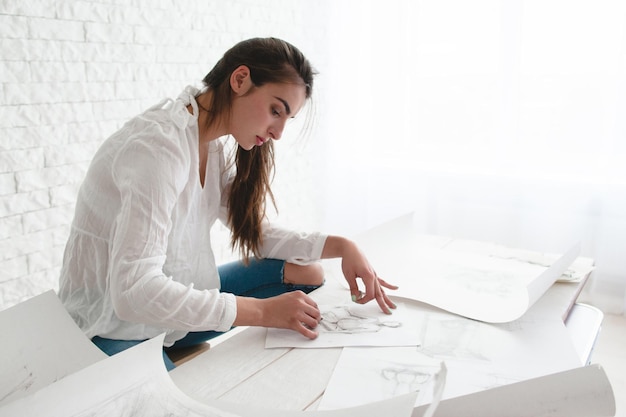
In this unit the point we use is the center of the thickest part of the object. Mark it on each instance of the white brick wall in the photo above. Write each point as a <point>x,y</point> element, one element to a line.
<point>71,72</point>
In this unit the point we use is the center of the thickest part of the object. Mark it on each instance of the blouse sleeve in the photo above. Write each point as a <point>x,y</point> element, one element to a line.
<point>295,247</point>
<point>150,177</point>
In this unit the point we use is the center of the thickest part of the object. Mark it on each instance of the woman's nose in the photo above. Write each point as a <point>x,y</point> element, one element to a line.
<point>276,131</point>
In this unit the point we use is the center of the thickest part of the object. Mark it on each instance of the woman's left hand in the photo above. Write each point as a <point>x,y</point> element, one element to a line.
<point>355,266</point>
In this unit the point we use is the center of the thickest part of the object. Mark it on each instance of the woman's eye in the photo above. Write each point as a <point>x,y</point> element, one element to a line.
<point>275,111</point>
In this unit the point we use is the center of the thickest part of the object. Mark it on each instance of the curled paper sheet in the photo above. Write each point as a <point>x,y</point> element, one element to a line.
<point>133,382</point>
<point>581,392</point>
<point>464,281</point>
<point>440,384</point>
<point>42,345</point>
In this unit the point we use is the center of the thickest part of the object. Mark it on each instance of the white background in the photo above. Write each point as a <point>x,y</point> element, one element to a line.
<point>492,119</point>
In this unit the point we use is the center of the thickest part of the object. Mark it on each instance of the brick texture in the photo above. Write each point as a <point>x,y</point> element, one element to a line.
<point>72,72</point>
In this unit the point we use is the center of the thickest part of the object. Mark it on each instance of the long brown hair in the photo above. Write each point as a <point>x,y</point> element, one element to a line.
<point>270,60</point>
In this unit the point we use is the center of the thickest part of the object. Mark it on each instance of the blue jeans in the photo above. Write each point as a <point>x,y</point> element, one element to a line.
<point>262,278</point>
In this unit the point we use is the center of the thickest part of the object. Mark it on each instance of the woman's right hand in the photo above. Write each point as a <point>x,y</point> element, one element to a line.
<point>293,310</point>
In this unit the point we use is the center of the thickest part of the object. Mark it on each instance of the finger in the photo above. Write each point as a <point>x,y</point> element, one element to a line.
<point>312,312</point>
<point>358,296</point>
<point>389,302</point>
<point>371,285</point>
<point>306,303</point>
<point>369,295</point>
<point>355,293</point>
<point>306,331</point>
<point>382,299</point>
<point>309,321</point>
<point>387,285</point>
<point>309,301</point>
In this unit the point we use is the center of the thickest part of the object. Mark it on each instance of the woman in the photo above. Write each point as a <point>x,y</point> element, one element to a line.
<point>138,261</point>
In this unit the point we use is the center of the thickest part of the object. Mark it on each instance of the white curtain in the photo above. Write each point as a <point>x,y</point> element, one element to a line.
<point>497,120</point>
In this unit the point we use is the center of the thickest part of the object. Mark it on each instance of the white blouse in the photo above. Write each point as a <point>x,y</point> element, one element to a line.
<point>138,261</point>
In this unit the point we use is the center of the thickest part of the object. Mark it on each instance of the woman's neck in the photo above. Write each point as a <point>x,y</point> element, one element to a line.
<point>216,129</point>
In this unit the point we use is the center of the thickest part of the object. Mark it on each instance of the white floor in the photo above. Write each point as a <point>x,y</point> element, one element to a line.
<point>610,352</point>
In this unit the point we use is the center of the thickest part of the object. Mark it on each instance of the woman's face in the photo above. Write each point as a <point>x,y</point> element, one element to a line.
<point>260,113</point>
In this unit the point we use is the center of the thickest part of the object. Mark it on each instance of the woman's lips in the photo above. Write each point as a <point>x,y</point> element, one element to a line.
<point>259,141</point>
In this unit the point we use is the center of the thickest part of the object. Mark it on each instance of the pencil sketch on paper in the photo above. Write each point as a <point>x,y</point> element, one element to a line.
<point>451,337</point>
<point>495,379</point>
<point>353,324</point>
<point>17,385</point>
<point>343,319</point>
<point>405,378</point>
<point>484,281</point>
<point>574,272</point>
<point>364,376</point>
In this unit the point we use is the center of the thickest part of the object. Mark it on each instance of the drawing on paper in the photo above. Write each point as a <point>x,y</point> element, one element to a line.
<point>342,319</point>
<point>484,281</point>
<point>353,324</point>
<point>539,262</point>
<point>499,379</point>
<point>571,273</point>
<point>404,378</point>
<point>364,376</point>
<point>17,385</point>
<point>451,337</point>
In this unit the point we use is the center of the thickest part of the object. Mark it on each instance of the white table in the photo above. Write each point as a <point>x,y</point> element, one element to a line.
<point>237,368</point>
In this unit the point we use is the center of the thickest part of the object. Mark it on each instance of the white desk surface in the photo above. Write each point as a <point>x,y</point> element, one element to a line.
<point>237,368</point>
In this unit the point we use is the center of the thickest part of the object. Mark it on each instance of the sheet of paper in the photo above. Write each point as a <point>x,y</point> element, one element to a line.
<point>42,344</point>
<point>575,272</point>
<point>475,285</point>
<point>580,392</point>
<point>354,324</point>
<point>478,356</point>
<point>131,383</point>
<point>365,374</point>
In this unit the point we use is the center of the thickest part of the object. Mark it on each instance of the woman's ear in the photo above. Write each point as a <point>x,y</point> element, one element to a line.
<point>240,80</point>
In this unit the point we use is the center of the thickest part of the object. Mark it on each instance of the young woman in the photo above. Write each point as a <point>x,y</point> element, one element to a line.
<point>138,261</point>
